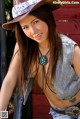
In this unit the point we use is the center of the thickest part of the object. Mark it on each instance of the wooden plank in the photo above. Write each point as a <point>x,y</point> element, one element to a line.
<point>71,0</point>
<point>41,112</point>
<point>36,90</point>
<point>67,14</point>
<point>70,6</point>
<point>68,27</point>
<point>40,106</point>
<point>76,38</point>
<point>39,100</point>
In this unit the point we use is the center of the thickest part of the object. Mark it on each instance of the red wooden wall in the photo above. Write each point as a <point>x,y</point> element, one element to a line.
<point>68,22</point>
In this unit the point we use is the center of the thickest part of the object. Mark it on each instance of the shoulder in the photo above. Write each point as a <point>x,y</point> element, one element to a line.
<point>16,52</point>
<point>66,40</point>
<point>68,47</point>
<point>68,44</point>
<point>16,49</point>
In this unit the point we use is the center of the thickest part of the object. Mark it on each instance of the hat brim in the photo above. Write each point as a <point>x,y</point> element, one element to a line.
<point>11,24</point>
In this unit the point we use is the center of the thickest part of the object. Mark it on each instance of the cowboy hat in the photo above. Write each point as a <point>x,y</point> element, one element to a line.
<point>21,8</point>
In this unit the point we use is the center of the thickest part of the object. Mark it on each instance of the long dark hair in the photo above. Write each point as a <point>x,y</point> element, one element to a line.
<point>29,48</point>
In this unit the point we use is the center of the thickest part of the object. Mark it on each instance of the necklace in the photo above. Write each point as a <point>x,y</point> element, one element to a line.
<point>43,60</point>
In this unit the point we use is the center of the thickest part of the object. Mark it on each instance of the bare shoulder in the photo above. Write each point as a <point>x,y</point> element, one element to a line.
<point>16,46</point>
<point>16,49</point>
<point>15,58</point>
<point>76,60</point>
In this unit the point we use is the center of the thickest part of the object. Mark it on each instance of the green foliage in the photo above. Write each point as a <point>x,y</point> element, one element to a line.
<point>8,5</point>
<point>8,8</point>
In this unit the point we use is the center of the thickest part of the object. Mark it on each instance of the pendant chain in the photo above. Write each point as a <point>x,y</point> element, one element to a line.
<point>43,60</point>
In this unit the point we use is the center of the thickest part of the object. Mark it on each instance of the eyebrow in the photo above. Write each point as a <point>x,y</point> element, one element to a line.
<point>31,22</point>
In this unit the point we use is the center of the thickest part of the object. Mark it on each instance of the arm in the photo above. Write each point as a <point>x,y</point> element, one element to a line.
<point>9,81</point>
<point>76,60</point>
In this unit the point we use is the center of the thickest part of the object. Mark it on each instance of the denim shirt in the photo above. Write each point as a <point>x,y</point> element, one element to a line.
<point>66,82</point>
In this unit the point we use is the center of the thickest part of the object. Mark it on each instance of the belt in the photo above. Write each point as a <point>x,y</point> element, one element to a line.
<point>72,111</point>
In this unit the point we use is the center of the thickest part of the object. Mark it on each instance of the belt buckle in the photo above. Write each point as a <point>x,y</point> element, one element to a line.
<point>72,111</point>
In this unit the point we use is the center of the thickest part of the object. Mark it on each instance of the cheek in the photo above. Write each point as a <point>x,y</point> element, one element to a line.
<point>45,29</point>
<point>26,33</point>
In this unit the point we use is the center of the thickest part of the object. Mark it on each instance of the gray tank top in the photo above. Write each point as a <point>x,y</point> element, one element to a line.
<point>66,82</point>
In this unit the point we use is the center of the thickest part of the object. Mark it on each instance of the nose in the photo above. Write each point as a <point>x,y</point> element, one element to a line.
<point>33,30</point>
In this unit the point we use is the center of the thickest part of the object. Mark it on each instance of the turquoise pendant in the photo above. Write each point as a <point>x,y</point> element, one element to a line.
<point>43,60</point>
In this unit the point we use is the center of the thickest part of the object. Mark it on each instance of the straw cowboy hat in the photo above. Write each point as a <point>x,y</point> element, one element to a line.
<point>21,8</point>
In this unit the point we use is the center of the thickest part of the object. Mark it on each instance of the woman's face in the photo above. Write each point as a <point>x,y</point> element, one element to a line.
<point>35,28</point>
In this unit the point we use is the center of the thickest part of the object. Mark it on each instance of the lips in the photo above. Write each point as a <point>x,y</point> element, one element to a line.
<point>38,36</point>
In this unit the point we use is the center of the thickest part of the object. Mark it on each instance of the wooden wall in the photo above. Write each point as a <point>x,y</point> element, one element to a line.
<point>68,22</point>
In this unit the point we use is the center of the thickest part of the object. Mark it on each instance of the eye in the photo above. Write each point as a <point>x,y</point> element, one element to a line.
<point>25,27</point>
<point>36,21</point>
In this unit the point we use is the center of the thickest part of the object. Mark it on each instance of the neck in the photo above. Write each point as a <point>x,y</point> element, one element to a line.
<point>44,47</point>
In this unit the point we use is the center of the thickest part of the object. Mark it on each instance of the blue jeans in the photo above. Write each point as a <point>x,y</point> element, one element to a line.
<point>61,116</point>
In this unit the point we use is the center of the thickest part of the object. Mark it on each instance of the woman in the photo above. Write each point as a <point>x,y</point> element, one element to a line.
<point>45,57</point>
